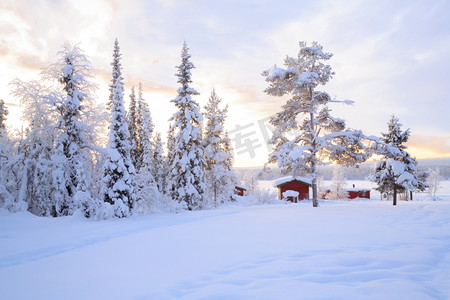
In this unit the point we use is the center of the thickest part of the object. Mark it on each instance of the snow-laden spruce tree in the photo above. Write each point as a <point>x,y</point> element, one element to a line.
<point>159,163</point>
<point>187,162</point>
<point>170,161</point>
<point>133,127</point>
<point>318,135</point>
<point>145,128</point>
<point>219,177</point>
<point>337,191</point>
<point>147,193</point>
<point>397,170</point>
<point>118,181</point>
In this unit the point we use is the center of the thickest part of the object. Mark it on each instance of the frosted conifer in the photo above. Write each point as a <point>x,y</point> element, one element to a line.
<point>133,127</point>
<point>118,182</point>
<point>397,170</point>
<point>306,114</point>
<point>159,163</point>
<point>219,177</point>
<point>187,162</point>
<point>144,128</point>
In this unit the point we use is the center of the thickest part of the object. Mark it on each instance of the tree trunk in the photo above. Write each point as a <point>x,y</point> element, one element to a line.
<point>395,196</point>
<point>314,192</point>
<point>411,195</point>
<point>313,160</point>
<point>314,184</point>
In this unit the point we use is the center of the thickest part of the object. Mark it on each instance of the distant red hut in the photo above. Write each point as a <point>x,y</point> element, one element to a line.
<point>358,193</point>
<point>240,190</point>
<point>353,193</point>
<point>290,183</point>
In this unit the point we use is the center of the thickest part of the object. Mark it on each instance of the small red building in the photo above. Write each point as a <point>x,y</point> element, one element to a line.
<point>358,193</point>
<point>240,190</point>
<point>351,193</point>
<point>291,183</point>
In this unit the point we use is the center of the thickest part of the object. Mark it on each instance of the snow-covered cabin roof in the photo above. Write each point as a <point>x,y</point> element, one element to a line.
<point>284,180</point>
<point>357,190</point>
<point>240,186</point>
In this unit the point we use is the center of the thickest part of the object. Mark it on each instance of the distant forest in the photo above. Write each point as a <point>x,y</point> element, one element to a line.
<point>351,173</point>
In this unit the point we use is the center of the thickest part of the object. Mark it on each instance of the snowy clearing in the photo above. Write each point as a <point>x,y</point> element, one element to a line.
<point>341,250</point>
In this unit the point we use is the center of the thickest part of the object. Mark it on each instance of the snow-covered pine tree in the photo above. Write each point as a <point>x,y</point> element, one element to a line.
<point>228,149</point>
<point>187,166</point>
<point>338,191</point>
<point>219,177</point>
<point>147,193</point>
<point>132,117</point>
<point>320,135</point>
<point>159,163</point>
<point>118,182</point>
<point>397,170</point>
<point>170,161</point>
<point>145,128</point>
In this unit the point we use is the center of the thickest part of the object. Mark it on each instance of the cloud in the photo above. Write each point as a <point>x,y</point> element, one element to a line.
<point>4,50</point>
<point>430,146</point>
<point>390,57</point>
<point>30,62</point>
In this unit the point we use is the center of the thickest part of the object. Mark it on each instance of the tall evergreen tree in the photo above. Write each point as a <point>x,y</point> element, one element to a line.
<point>219,177</point>
<point>147,192</point>
<point>159,163</point>
<point>318,135</point>
<point>132,117</point>
<point>187,168</point>
<point>145,129</point>
<point>170,159</point>
<point>118,181</point>
<point>397,170</point>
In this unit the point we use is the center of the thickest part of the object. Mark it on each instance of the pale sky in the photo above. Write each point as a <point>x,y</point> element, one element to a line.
<point>390,57</point>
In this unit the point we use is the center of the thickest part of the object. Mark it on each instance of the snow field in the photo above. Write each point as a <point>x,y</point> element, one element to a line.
<point>341,250</point>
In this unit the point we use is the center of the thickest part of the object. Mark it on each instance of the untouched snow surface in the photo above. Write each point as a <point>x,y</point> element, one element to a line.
<point>340,250</point>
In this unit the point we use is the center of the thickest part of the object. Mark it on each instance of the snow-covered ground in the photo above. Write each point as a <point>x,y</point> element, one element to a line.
<point>340,250</point>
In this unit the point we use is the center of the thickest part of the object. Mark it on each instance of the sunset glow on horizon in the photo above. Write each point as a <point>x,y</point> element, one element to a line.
<point>389,57</point>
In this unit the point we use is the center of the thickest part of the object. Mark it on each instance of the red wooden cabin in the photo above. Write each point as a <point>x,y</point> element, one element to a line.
<point>352,193</point>
<point>298,184</point>
<point>358,193</point>
<point>240,190</point>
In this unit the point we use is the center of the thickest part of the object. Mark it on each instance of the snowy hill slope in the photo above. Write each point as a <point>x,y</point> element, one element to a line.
<point>341,250</point>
